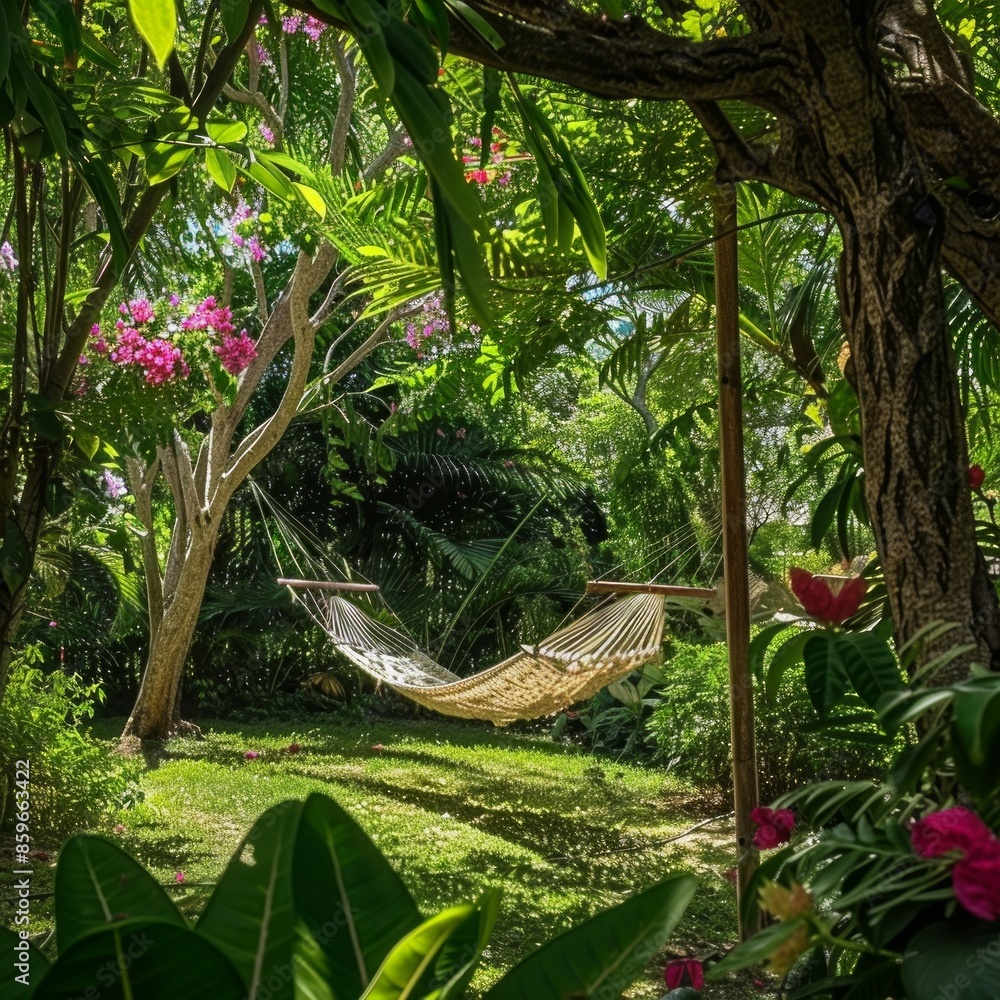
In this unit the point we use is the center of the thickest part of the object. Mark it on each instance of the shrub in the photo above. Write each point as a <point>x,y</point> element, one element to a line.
<point>75,780</point>
<point>691,724</point>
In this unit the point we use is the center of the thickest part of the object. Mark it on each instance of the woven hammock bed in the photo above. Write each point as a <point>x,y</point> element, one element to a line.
<point>568,666</point>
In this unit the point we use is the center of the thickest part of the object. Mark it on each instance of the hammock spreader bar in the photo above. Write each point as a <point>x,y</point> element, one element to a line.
<point>570,665</point>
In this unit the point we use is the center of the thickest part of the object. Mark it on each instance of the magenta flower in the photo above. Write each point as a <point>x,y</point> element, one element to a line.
<point>179,877</point>
<point>684,972</point>
<point>142,311</point>
<point>251,755</point>
<point>236,353</point>
<point>130,342</point>
<point>957,829</point>
<point>975,877</point>
<point>266,132</point>
<point>53,624</point>
<point>161,361</point>
<point>774,827</point>
<point>976,881</point>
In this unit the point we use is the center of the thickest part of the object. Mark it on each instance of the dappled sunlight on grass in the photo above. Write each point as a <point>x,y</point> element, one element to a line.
<point>456,809</point>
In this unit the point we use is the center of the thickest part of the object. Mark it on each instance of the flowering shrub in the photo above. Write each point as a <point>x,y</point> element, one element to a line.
<point>497,166</point>
<point>888,889</point>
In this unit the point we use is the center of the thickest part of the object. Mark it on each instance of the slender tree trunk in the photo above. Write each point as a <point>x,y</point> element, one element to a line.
<point>156,708</point>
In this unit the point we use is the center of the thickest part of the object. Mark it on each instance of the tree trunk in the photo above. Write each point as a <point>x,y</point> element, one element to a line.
<point>155,712</point>
<point>913,428</point>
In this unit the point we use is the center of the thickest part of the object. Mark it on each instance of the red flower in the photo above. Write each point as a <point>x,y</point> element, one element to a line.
<point>251,755</point>
<point>774,827</point>
<point>684,972</point>
<point>976,477</point>
<point>820,602</point>
<point>179,877</point>
<point>293,748</point>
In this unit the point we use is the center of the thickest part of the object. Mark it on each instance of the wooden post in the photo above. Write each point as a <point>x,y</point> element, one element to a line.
<point>734,534</point>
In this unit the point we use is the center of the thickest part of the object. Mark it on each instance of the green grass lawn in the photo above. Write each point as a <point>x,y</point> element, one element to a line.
<point>456,809</point>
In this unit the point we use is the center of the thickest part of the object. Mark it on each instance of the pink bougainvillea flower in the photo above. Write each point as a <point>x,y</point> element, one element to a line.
<point>142,311</point>
<point>820,602</point>
<point>251,755</point>
<point>957,829</point>
<point>179,877</point>
<point>774,827</point>
<point>161,361</point>
<point>684,972</point>
<point>976,477</point>
<point>236,353</point>
<point>53,624</point>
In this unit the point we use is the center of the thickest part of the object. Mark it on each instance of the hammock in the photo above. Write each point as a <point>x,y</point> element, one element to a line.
<point>570,665</point>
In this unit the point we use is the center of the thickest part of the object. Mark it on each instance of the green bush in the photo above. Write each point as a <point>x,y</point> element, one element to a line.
<point>75,780</point>
<point>691,728</point>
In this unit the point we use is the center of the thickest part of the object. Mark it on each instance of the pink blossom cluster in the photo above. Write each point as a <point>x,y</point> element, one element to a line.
<point>267,133</point>
<point>975,873</point>
<point>161,361</point>
<point>432,320</point>
<point>8,262</point>
<point>236,352</point>
<point>113,485</point>
<point>308,25</point>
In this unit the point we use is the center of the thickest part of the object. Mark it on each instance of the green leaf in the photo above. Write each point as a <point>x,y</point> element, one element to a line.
<point>100,182</point>
<point>234,16</point>
<point>97,52</point>
<point>896,708</point>
<point>165,159</point>
<point>60,18</point>
<point>87,441</point>
<point>221,168</point>
<point>954,958</point>
<point>756,950</point>
<point>97,884</point>
<point>787,655</point>
<point>354,905</point>
<point>225,132</point>
<point>477,22</point>
<point>156,22</point>
<point>870,665</point>
<point>276,159</point>
<point>312,198</point>
<point>20,952</point>
<point>42,102</point>
<point>602,956</point>
<point>826,512</point>
<point>826,679</point>
<point>436,15</point>
<point>271,179</point>
<point>141,958</point>
<point>250,917</point>
<point>409,962</point>
<point>759,645</point>
<point>461,953</point>
<point>977,718</point>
